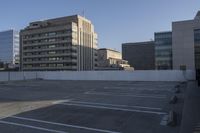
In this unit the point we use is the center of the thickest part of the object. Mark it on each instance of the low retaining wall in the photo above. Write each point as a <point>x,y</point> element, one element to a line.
<point>151,75</point>
<point>12,76</point>
<point>146,75</point>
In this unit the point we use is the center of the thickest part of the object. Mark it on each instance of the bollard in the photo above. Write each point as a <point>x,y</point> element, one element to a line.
<point>198,76</point>
<point>172,120</point>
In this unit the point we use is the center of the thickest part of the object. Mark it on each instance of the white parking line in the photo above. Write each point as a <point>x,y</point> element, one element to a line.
<point>65,125</point>
<point>32,127</point>
<point>127,95</point>
<point>113,108</point>
<point>113,105</point>
<point>131,88</point>
<point>145,84</point>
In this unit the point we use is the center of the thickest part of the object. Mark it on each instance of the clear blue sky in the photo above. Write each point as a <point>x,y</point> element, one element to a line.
<point>115,21</point>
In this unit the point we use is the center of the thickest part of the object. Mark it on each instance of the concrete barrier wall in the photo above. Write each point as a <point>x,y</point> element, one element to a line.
<point>150,75</point>
<point>189,75</point>
<point>30,75</point>
<point>16,76</point>
<point>4,76</point>
<point>12,76</point>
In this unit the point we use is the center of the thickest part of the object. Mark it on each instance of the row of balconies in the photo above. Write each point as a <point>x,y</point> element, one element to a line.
<point>32,32</point>
<point>48,43</point>
<point>48,37</point>
<point>67,49</point>
<point>54,39</point>
<point>52,61</point>
<point>50,58</point>
<point>51,68</point>
<point>50,55</point>
<point>48,46</point>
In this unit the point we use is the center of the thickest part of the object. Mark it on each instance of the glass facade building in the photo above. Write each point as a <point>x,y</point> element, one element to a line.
<point>197,48</point>
<point>163,50</point>
<point>9,47</point>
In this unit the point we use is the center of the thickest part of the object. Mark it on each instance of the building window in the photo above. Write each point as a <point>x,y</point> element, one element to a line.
<point>43,65</point>
<point>60,65</point>
<point>52,52</point>
<point>52,46</point>
<point>52,59</point>
<point>52,40</point>
<point>52,33</point>
<point>52,65</point>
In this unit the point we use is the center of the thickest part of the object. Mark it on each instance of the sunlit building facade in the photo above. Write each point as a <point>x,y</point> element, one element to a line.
<point>110,59</point>
<point>185,40</point>
<point>67,43</point>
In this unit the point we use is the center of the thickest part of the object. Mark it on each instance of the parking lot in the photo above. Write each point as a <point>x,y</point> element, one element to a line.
<point>44,106</point>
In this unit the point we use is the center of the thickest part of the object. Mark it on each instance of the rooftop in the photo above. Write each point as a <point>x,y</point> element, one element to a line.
<point>109,49</point>
<point>139,43</point>
<point>56,21</point>
<point>87,106</point>
<point>163,32</point>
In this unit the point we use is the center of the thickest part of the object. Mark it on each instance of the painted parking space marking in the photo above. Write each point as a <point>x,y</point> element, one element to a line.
<point>89,107</point>
<point>142,84</point>
<point>127,95</point>
<point>113,108</point>
<point>64,125</point>
<point>132,88</point>
<point>111,105</point>
<point>31,127</point>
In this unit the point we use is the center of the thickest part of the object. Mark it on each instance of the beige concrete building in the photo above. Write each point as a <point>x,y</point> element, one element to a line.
<point>66,43</point>
<point>185,43</point>
<point>111,59</point>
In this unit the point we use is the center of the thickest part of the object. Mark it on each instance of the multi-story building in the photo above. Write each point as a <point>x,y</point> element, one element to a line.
<point>163,50</point>
<point>67,43</point>
<point>197,53</point>
<point>197,48</point>
<point>109,59</point>
<point>9,48</point>
<point>176,49</point>
<point>185,43</point>
<point>140,55</point>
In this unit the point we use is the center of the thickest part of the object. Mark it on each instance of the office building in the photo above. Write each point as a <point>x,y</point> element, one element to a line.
<point>109,59</point>
<point>163,50</point>
<point>178,49</point>
<point>197,48</point>
<point>9,48</point>
<point>140,55</point>
<point>66,43</point>
<point>185,43</point>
